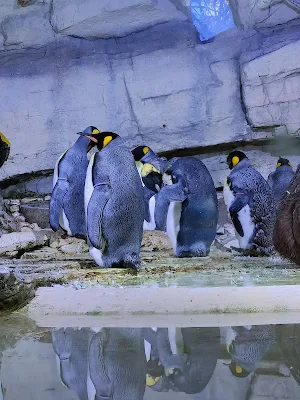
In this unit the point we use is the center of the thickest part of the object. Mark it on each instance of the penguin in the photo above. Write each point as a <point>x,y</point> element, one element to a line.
<point>286,233</point>
<point>67,200</point>
<point>249,345</point>
<point>114,203</point>
<point>152,180</point>
<point>4,149</point>
<point>280,178</point>
<point>188,205</point>
<point>144,154</point>
<point>250,203</point>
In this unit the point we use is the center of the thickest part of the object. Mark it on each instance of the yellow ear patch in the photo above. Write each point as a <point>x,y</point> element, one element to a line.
<point>289,164</point>
<point>95,131</point>
<point>145,150</point>
<point>107,140</point>
<point>238,369</point>
<point>151,380</point>
<point>4,139</point>
<point>147,169</point>
<point>278,164</point>
<point>235,160</point>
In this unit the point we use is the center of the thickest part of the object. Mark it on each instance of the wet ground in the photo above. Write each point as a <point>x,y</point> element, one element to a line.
<point>216,328</point>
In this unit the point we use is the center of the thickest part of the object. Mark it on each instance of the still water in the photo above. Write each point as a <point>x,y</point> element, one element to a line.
<point>255,362</point>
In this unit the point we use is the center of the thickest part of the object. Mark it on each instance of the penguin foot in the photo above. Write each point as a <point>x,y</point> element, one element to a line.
<point>80,236</point>
<point>192,253</point>
<point>131,261</point>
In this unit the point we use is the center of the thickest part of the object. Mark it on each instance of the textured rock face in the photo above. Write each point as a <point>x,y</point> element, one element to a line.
<point>136,67</point>
<point>271,89</point>
<point>264,13</point>
<point>110,18</point>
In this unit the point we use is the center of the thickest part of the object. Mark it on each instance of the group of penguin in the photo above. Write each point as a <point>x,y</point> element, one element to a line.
<point>116,194</point>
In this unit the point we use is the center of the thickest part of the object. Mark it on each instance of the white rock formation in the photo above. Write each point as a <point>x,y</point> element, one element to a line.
<point>137,67</point>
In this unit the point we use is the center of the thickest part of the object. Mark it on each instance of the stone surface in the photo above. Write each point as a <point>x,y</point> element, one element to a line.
<point>13,291</point>
<point>261,13</point>
<point>18,27</point>
<point>155,85</point>
<point>93,19</point>
<point>271,89</point>
<point>21,241</point>
<point>37,212</point>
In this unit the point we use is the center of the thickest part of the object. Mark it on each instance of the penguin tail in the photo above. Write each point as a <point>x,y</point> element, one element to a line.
<point>56,203</point>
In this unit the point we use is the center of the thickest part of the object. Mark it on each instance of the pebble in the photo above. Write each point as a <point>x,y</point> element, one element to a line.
<point>15,202</point>
<point>27,200</point>
<point>47,198</point>
<point>15,214</point>
<point>26,229</point>
<point>20,218</point>
<point>35,227</point>
<point>14,208</point>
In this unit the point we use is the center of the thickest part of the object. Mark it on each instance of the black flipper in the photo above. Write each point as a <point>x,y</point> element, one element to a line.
<point>176,192</point>
<point>56,203</point>
<point>240,201</point>
<point>95,210</point>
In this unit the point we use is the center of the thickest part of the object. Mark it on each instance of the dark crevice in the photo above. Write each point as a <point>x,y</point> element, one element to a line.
<point>28,176</point>
<point>283,144</point>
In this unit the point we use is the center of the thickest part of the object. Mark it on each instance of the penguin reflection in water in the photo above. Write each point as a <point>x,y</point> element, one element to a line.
<point>281,178</point>
<point>250,202</point>
<point>247,345</point>
<point>71,349</point>
<point>184,360</point>
<point>114,203</point>
<point>188,205</point>
<point>67,200</point>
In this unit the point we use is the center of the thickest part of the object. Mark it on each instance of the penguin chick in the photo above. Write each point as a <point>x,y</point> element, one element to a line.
<point>287,226</point>
<point>114,203</point>
<point>280,178</point>
<point>189,207</point>
<point>250,203</point>
<point>67,200</point>
<point>248,347</point>
<point>4,149</point>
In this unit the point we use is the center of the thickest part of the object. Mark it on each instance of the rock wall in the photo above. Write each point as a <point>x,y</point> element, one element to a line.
<point>137,67</point>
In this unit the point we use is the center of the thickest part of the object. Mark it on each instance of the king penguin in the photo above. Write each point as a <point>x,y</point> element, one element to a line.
<point>67,200</point>
<point>152,181</point>
<point>114,203</point>
<point>250,203</point>
<point>152,166</point>
<point>188,205</point>
<point>281,178</point>
<point>4,149</point>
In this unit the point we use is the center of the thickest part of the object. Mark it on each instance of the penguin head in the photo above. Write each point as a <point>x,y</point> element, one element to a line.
<point>140,152</point>
<point>283,161</point>
<point>237,370</point>
<point>4,140</point>
<point>91,132</point>
<point>100,139</point>
<point>151,177</point>
<point>234,158</point>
